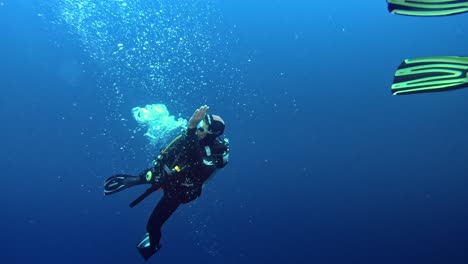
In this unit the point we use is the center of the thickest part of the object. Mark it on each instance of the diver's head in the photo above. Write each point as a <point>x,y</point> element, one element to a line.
<point>211,127</point>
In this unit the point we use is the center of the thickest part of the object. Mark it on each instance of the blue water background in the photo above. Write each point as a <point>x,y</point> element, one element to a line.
<point>326,166</point>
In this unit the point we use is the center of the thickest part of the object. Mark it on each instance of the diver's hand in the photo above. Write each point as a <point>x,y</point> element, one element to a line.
<point>197,116</point>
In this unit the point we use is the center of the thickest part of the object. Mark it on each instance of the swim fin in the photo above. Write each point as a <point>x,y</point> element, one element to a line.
<point>121,182</point>
<point>431,74</point>
<point>145,249</point>
<point>427,7</point>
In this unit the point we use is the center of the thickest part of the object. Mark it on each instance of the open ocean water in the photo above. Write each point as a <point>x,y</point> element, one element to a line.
<point>326,166</point>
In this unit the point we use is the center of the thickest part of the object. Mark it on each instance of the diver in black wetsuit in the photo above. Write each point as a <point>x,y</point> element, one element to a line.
<point>180,171</point>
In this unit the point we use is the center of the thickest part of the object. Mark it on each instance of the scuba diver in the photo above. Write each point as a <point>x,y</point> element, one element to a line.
<point>180,170</point>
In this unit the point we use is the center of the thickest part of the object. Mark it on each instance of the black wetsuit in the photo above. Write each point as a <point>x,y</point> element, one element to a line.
<point>196,160</point>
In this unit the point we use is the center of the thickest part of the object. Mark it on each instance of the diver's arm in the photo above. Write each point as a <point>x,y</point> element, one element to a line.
<point>223,158</point>
<point>193,145</point>
<point>216,161</point>
<point>192,140</point>
<point>206,170</point>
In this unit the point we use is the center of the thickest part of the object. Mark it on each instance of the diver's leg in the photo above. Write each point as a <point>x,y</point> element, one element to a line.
<point>163,210</point>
